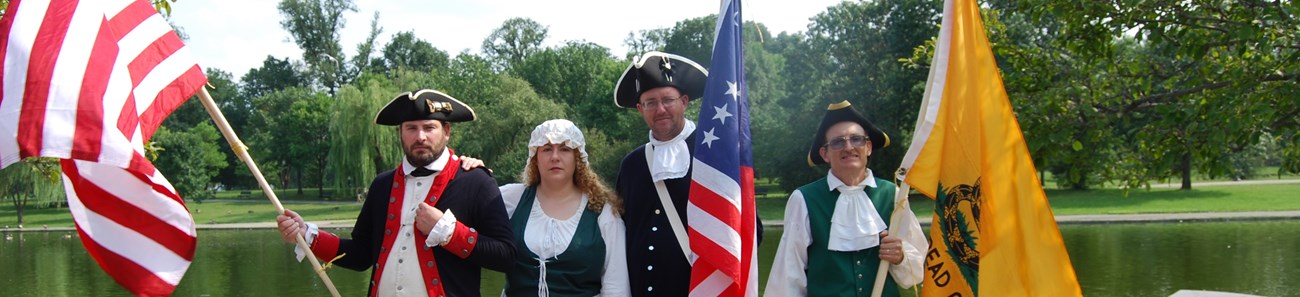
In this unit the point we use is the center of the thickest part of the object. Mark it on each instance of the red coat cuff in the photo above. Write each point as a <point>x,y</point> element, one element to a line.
<point>462,241</point>
<point>326,246</point>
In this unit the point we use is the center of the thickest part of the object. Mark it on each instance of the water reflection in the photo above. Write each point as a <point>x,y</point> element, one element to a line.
<point>1111,260</point>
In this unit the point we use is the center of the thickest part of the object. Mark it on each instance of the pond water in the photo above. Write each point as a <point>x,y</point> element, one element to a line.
<point>1156,259</point>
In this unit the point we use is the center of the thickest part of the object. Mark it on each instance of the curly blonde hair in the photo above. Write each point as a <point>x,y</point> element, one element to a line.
<point>587,181</point>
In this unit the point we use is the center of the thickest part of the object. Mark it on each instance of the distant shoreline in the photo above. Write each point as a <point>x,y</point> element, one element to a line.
<point>1061,220</point>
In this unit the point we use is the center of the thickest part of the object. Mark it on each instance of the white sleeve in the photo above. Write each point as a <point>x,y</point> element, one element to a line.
<point>787,277</point>
<point>911,271</point>
<point>442,230</point>
<point>510,195</point>
<point>614,281</point>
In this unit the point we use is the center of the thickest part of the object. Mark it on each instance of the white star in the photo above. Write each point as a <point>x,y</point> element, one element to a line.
<point>731,90</point>
<point>721,114</point>
<point>709,138</point>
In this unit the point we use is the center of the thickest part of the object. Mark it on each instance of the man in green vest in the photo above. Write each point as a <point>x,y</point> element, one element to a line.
<point>835,227</point>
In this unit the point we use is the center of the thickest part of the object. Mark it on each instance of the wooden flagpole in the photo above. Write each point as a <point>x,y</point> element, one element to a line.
<point>242,151</point>
<point>899,195</point>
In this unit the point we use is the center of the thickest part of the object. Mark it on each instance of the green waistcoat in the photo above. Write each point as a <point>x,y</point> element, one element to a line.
<point>833,273</point>
<point>575,272</point>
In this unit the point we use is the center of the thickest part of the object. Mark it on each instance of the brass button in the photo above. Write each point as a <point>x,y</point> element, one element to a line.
<point>434,282</point>
<point>390,216</point>
<point>430,264</point>
<point>392,199</point>
<point>471,240</point>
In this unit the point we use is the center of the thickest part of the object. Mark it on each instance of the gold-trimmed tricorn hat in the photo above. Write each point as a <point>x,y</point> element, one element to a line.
<point>423,105</point>
<point>844,112</point>
<point>658,69</point>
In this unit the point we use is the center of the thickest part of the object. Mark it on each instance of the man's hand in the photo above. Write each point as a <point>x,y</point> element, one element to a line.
<point>891,248</point>
<point>425,217</point>
<point>291,226</point>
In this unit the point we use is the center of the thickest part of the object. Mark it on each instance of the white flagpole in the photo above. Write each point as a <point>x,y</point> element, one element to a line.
<point>242,152</point>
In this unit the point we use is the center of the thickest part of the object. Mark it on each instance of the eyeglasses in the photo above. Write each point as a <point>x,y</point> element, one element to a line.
<point>666,102</point>
<point>843,142</point>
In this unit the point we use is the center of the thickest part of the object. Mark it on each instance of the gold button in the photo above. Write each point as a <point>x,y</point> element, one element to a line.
<point>392,199</point>
<point>434,282</point>
<point>471,240</point>
<point>430,264</point>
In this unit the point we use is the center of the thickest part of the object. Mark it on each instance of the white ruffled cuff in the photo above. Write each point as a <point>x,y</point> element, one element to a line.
<point>442,230</point>
<point>310,235</point>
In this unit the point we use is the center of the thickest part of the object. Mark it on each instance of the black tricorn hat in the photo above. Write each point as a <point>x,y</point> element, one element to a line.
<point>657,69</point>
<point>844,112</point>
<point>423,105</point>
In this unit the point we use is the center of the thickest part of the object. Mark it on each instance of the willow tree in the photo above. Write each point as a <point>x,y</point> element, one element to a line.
<point>360,149</point>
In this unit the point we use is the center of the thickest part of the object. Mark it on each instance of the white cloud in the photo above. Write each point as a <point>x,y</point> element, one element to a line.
<point>237,35</point>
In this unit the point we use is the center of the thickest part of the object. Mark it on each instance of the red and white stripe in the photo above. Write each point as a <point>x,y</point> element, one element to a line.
<point>134,225</point>
<point>718,211</point>
<point>89,82</point>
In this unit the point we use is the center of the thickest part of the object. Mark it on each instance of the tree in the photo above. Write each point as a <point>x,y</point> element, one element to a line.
<point>191,159</point>
<point>359,149</point>
<point>644,41</point>
<point>32,180</point>
<point>407,52</point>
<point>1177,85</point>
<point>290,133</point>
<point>693,39</point>
<point>514,41</point>
<point>274,75</point>
<point>314,25</point>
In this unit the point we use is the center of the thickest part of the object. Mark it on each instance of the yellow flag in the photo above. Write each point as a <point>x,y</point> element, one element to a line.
<point>993,232</point>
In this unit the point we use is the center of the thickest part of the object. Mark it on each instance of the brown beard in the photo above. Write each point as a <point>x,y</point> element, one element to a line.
<point>420,161</point>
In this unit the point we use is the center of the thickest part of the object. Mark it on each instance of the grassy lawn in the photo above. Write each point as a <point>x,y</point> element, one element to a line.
<point>234,207</point>
<point>209,212</point>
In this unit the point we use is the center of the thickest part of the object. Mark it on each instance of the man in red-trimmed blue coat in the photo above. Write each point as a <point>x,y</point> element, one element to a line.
<point>428,226</point>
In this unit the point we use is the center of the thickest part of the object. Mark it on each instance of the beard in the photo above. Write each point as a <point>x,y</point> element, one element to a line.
<point>421,159</point>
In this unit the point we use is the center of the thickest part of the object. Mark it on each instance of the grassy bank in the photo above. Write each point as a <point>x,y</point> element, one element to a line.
<point>771,206</point>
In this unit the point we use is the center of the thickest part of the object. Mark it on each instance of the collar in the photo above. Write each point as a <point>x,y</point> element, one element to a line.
<point>835,182</point>
<point>436,166</point>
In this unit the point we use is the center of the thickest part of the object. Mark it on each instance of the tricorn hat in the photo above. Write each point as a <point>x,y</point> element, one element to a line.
<point>844,112</point>
<point>423,105</point>
<point>657,69</point>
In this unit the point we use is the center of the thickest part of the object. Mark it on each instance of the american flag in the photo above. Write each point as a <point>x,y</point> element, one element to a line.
<point>721,209</point>
<point>89,82</point>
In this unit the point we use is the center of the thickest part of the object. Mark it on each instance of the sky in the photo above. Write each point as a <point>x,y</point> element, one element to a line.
<point>237,35</point>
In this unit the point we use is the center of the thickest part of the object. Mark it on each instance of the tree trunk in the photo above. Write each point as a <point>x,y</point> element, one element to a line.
<point>1187,172</point>
<point>378,159</point>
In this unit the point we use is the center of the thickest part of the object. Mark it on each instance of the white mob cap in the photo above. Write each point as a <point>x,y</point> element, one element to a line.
<point>557,131</point>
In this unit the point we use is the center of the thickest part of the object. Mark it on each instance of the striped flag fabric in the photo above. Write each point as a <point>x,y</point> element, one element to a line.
<point>89,82</point>
<point>720,214</point>
<point>993,232</point>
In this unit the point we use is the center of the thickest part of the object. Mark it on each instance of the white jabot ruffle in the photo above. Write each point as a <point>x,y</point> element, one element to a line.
<point>672,158</point>
<point>855,224</point>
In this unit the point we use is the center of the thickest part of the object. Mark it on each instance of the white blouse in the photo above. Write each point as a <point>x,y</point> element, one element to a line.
<point>548,237</point>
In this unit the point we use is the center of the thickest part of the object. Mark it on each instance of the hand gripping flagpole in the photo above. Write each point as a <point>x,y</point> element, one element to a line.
<point>242,152</point>
<point>900,202</point>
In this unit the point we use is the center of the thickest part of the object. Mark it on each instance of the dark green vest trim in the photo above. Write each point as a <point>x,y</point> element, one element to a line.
<point>575,272</point>
<point>832,273</point>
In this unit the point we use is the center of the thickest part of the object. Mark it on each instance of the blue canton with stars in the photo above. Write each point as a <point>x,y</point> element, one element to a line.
<point>724,113</point>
